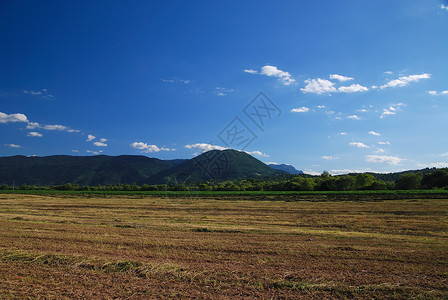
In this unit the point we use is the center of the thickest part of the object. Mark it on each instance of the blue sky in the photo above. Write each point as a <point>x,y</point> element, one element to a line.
<point>352,85</point>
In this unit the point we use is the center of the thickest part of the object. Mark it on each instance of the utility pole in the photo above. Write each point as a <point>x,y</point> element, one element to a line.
<point>13,184</point>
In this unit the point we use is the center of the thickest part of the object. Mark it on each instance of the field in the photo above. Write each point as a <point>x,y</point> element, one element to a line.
<point>154,246</point>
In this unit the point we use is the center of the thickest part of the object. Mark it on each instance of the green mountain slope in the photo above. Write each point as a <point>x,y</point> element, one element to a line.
<point>82,170</point>
<point>215,164</point>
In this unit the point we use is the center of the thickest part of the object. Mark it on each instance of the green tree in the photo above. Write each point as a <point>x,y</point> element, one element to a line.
<point>345,183</point>
<point>409,181</point>
<point>363,181</point>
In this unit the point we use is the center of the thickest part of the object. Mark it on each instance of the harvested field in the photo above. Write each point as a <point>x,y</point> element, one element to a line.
<point>135,247</point>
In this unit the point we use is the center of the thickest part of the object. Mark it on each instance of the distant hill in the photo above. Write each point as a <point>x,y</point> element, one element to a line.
<point>216,164</point>
<point>286,168</point>
<point>104,170</point>
<point>82,170</point>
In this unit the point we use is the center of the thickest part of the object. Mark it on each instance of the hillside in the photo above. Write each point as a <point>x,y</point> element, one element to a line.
<point>286,168</point>
<point>82,170</point>
<point>216,164</point>
<point>104,170</point>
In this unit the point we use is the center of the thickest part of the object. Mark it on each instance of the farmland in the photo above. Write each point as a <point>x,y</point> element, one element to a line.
<point>133,246</point>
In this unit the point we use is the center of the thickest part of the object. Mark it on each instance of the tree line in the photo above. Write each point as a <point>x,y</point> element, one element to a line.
<point>437,179</point>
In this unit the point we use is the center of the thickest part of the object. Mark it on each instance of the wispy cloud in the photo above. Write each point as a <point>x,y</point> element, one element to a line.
<point>203,147</point>
<point>250,71</point>
<point>354,88</point>
<point>436,93</point>
<point>354,117</point>
<point>392,160</point>
<point>272,71</point>
<point>34,134</point>
<point>12,118</point>
<point>175,80</point>
<point>258,153</point>
<point>145,148</point>
<point>302,109</point>
<point>384,143</point>
<point>94,152</point>
<point>90,138</point>
<point>392,110</point>
<point>405,80</point>
<point>12,145</point>
<point>220,91</point>
<point>374,133</point>
<point>340,77</point>
<point>358,144</point>
<point>329,157</point>
<point>99,144</point>
<point>444,7</point>
<point>342,133</point>
<point>43,93</point>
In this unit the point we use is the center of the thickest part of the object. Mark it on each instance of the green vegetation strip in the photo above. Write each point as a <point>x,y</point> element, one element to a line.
<point>234,193</point>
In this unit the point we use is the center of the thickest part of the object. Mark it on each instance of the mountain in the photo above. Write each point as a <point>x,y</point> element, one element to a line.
<point>286,168</point>
<point>82,170</point>
<point>216,164</point>
<point>104,170</point>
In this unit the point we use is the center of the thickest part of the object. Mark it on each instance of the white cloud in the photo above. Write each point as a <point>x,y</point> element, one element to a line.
<point>374,133</point>
<point>12,118</point>
<point>75,151</point>
<point>145,148</point>
<point>388,72</point>
<point>202,147</point>
<point>273,71</point>
<point>99,144</point>
<point>434,165</point>
<point>311,172</point>
<point>444,154</point>
<point>354,88</point>
<point>283,76</point>
<point>259,153</point>
<point>55,127</point>
<point>342,133</point>
<point>102,140</point>
<point>12,145</point>
<point>392,110</point>
<point>348,171</point>
<point>362,110</point>
<point>405,80</point>
<point>34,133</point>
<point>435,93</point>
<point>383,143</point>
<point>380,150</point>
<point>90,138</point>
<point>329,157</point>
<point>392,160</point>
<point>250,71</point>
<point>321,106</point>
<point>445,7</point>
<point>94,152</point>
<point>318,86</point>
<point>358,144</point>
<point>340,77</point>
<point>168,80</point>
<point>32,125</point>
<point>58,128</point>
<point>354,117</point>
<point>300,110</point>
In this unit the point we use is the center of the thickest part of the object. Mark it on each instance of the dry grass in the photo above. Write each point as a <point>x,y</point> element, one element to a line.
<point>126,247</point>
